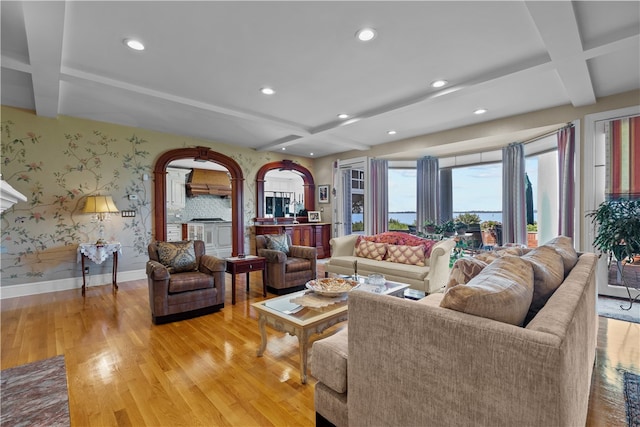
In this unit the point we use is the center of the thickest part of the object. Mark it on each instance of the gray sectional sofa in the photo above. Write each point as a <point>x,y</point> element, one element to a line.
<point>403,362</point>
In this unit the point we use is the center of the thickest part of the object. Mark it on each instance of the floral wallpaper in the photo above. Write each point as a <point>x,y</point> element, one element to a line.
<point>56,163</point>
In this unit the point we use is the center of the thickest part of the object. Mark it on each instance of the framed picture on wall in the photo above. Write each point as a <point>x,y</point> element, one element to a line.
<point>323,193</point>
<point>313,216</point>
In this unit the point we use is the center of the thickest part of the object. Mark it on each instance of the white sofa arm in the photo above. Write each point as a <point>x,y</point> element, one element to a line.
<point>343,245</point>
<point>439,265</point>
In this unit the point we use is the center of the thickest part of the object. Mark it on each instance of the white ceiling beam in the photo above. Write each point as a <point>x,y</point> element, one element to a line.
<point>44,26</point>
<point>558,27</point>
<point>80,77</point>
<point>15,64</point>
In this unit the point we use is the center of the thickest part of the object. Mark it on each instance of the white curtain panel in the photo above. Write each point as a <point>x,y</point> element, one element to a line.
<point>379,170</point>
<point>346,202</point>
<point>566,180</point>
<point>428,191</point>
<point>514,215</point>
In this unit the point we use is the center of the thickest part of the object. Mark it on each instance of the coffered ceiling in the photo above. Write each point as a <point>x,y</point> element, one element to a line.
<point>205,62</point>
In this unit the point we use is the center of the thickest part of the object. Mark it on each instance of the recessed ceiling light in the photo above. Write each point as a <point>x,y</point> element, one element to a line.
<point>439,83</point>
<point>267,91</point>
<point>366,34</point>
<point>284,148</point>
<point>343,116</point>
<point>480,111</point>
<point>311,154</point>
<point>391,132</point>
<point>134,44</point>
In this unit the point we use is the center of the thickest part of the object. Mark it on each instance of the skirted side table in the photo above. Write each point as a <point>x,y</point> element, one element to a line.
<point>99,253</point>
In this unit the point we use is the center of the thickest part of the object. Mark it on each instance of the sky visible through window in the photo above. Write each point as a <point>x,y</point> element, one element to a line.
<point>475,188</point>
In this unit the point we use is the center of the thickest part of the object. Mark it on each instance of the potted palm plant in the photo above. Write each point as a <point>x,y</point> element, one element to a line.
<point>617,224</point>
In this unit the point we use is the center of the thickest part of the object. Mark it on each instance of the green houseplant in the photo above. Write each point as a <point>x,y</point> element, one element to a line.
<point>617,227</point>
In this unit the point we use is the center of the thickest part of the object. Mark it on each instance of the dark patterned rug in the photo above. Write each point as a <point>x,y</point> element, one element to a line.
<point>632,398</point>
<point>35,394</point>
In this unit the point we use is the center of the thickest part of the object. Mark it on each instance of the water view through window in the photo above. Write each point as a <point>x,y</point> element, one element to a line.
<point>476,189</point>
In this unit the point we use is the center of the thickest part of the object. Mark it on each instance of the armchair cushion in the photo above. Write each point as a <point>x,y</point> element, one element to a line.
<point>177,256</point>
<point>306,252</point>
<point>278,242</point>
<point>189,281</point>
<point>297,264</point>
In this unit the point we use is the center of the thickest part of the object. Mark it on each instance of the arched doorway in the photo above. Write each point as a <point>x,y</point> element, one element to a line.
<point>287,165</point>
<point>200,154</point>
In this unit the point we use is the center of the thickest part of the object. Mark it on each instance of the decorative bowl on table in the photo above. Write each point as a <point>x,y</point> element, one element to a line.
<point>332,286</point>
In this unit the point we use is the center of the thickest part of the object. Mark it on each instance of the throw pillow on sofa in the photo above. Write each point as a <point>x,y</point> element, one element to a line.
<point>564,246</point>
<point>371,250</point>
<point>502,291</point>
<point>177,256</point>
<point>464,270</point>
<point>403,254</point>
<point>548,274</point>
<point>400,238</point>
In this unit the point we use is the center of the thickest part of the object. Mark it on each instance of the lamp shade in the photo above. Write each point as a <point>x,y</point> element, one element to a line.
<point>100,204</point>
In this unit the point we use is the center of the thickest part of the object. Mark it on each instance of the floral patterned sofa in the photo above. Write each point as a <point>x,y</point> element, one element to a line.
<point>421,263</point>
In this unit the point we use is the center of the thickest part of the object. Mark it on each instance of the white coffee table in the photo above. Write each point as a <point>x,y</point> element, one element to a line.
<point>303,322</point>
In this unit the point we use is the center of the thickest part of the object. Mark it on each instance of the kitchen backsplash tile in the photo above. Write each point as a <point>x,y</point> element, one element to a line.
<point>207,207</point>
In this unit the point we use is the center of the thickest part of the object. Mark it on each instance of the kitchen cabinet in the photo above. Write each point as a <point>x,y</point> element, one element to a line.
<point>193,231</point>
<point>216,236</point>
<point>307,234</point>
<point>174,232</point>
<point>176,188</point>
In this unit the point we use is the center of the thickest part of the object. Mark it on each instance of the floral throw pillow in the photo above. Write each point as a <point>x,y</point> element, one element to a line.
<point>177,256</point>
<point>278,242</point>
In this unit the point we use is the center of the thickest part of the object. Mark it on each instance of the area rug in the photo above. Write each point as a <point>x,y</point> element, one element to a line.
<point>35,394</point>
<point>610,307</point>
<point>632,398</point>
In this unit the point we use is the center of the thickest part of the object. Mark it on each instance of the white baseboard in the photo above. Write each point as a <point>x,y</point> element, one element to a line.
<point>13,291</point>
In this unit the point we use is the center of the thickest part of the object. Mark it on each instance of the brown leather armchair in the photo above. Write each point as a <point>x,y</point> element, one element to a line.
<point>176,295</point>
<point>287,272</point>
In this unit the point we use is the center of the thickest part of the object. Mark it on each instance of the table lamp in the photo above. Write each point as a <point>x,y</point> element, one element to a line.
<point>101,207</point>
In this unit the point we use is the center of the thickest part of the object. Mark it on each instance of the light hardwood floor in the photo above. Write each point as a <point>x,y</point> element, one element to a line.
<point>122,370</point>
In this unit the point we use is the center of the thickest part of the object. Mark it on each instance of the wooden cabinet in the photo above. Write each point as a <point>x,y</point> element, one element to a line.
<point>317,235</point>
<point>193,231</point>
<point>216,236</point>
<point>176,189</point>
<point>303,235</point>
<point>174,232</point>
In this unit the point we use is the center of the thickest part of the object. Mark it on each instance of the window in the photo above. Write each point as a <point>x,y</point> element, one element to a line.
<point>402,198</point>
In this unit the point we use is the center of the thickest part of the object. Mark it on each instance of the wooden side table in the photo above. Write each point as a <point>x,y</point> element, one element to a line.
<point>99,254</point>
<point>246,265</point>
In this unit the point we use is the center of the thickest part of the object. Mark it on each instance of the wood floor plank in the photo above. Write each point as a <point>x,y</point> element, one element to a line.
<point>124,371</point>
